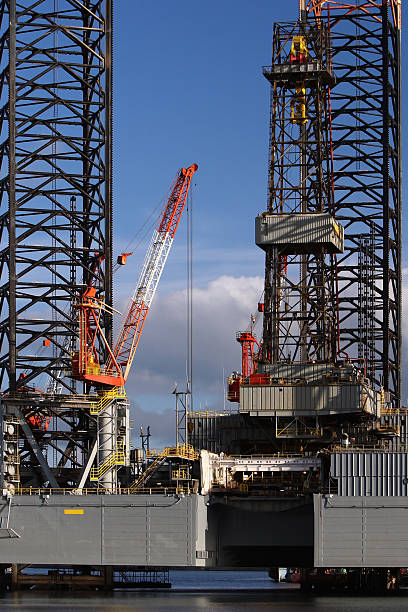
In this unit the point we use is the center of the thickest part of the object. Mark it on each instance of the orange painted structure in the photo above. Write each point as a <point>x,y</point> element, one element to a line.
<point>247,341</point>
<point>85,364</point>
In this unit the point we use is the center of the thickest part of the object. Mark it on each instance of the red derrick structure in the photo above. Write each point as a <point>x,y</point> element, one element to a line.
<point>247,341</point>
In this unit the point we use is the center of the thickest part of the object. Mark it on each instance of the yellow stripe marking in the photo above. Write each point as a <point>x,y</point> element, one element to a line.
<point>74,511</point>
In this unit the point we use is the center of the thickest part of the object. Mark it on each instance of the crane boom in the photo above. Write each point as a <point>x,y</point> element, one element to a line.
<point>153,266</point>
<point>119,362</point>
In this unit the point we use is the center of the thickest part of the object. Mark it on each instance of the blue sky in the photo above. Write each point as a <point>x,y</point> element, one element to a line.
<point>189,88</point>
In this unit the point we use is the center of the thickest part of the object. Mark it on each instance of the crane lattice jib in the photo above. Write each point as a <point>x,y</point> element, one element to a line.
<point>317,7</point>
<point>154,263</point>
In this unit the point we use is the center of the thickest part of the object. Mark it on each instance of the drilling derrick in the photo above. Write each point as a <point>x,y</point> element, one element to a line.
<point>299,232</point>
<point>330,349</point>
<point>329,365</point>
<point>366,140</point>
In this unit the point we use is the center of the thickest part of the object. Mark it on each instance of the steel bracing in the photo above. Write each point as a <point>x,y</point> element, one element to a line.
<point>335,146</point>
<point>300,292</point>
<point>56,178</point>
<point>366,128</point>
<point>56,213</point>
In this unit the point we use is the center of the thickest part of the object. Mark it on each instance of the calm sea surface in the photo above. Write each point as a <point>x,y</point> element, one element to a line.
<point>204,591</point>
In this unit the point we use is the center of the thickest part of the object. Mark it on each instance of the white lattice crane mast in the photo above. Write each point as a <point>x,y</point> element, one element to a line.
<point>121,357</point>
<point>153,266</point>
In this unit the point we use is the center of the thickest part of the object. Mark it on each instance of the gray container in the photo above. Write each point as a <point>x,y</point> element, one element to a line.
<point>370,473</point>
<point>303,400</point>
<point>148,530</point>
<point>360,531</point>
<point>299,233</point>
<point>307,371</point>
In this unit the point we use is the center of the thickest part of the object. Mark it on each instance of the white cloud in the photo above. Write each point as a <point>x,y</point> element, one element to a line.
<point>219,310</point>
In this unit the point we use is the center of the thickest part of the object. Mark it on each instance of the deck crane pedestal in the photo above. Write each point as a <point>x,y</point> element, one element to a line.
<point>109,378</point>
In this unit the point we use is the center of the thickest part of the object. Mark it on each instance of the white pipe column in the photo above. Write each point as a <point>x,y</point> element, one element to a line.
<point>106,438</point>
<point>302,10</point>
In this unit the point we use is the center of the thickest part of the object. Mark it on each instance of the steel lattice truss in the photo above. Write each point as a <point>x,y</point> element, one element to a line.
<point>363,285</point>
<point>366,123</point>
<point>55,131</point>
<point>300,293</point>
<point>55,219</point>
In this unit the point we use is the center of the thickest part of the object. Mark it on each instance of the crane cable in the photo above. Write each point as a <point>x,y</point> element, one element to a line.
<point>189,245</point>
<point>141,234</point>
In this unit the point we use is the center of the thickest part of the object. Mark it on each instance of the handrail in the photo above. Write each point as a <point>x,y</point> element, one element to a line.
<point>209,413</point>
<point>141,480</point>
<point>106,399</point>
<point>103,491</point>
<point>394,411</point>
<point>185,451</point>
<point>116,458</point>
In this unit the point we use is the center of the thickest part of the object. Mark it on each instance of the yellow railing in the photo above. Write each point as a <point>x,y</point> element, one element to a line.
<point>185,451</point>
<point>102,491</point>
<point>179,475</point>
<point>139,482</point>
<point>394,411</point>
<point>106,399</point>
<point>299,431</point>
<point>116,458</point>
<point>208,413</point>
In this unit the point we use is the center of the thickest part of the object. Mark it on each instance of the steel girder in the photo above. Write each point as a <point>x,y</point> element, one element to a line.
<point>365,117</point>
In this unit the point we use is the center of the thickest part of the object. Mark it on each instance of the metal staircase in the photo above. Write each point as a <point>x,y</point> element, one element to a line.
<point>181,451</point>
<point>116,458</point>
<point>111,445</point>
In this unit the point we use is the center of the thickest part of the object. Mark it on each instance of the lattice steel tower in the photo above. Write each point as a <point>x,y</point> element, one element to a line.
<point>56,220</point>
<point>366,126</point>
<point>335,148</point>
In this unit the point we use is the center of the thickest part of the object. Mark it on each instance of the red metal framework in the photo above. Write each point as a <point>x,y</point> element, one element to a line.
<point>86,366</point>
<point>247,341</point>
<point>317,7</point>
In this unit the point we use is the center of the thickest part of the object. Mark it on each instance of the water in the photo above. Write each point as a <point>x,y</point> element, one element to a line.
<point>204,591</point>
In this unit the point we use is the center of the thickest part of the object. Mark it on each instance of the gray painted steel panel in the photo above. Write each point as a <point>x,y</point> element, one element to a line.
<point>309,372</point>
<point>360,531</point>
<point>299,233</point>
<point>370,473</point>
<point>204,430</point>
<point>286,400</point>
<point>112,530</point>
<point>398,421</point>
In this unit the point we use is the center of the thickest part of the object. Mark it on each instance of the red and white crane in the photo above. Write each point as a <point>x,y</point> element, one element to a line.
<point>114,373</point>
